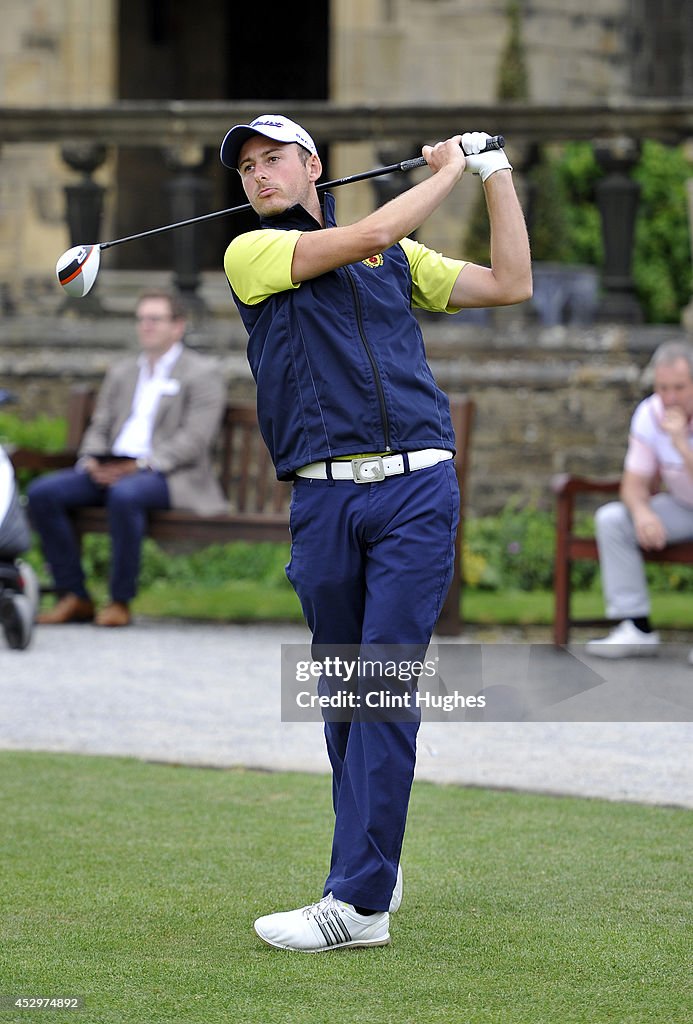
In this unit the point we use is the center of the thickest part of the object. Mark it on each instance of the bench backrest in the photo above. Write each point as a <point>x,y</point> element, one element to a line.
<point>244,467</point>
<point>246,472</point>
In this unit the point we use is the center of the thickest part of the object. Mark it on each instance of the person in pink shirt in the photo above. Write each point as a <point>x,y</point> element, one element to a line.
<point>656,506</point>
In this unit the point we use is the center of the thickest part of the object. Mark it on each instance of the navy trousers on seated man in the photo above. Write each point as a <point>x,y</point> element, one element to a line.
<point>52,497</point>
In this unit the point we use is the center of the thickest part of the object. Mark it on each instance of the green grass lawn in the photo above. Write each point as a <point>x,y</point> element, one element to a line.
<point>246,600</point>
<point>231,601</point>
<point>135,886</point>
<point>244,582</point>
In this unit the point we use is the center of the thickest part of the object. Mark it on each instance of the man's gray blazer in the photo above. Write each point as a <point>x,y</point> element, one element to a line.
<point>185,427</point>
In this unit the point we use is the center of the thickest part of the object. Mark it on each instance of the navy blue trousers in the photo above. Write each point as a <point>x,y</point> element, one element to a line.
<point>52,496</point>
<point>371,564</point>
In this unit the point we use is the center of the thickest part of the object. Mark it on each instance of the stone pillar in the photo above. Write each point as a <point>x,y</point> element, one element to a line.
<point>190,196</point>
<point>388,186</point>
<point>84,212</point>
<point>526,158</point>
<point>617,199</point>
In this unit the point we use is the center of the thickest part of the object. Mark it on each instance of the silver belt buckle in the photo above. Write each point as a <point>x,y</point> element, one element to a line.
<point>369,470</point>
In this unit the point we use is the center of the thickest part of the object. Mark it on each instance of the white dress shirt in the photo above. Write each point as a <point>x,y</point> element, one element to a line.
<point>135,437</point>
<point>651,451</point>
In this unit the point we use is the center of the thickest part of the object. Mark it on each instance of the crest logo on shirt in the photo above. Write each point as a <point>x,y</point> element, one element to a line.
<point>374,261</point>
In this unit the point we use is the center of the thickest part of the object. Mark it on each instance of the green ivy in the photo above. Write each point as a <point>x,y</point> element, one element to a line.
<point>575,172</point>
<point>662,261</point>
<point>566,226</point>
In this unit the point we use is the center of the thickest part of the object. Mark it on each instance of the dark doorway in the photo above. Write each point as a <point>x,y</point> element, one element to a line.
<point>210,50</point>
<point>661,38</point>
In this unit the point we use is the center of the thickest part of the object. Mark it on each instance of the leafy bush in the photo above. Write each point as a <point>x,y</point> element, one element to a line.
<point>43,433</point>
<point>566,225</point>
<point>565,178</point>
<point>665,578</point>
<point>264,563</point>
<point>662,259</point>
<point>513,550</point>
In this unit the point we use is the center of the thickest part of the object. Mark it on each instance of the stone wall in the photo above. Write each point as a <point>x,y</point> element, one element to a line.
<point>58,52</point>
<point>389,51</point>
<point>449,51</point>
<point>549,400</point>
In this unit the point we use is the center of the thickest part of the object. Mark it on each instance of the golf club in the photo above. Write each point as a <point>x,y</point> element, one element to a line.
<point>78,267</point>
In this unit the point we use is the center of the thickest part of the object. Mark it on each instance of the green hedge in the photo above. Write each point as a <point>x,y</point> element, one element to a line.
<point>513,550</point>
<point>566,225</point>
<point>510,551</point>
<point>44,433</point>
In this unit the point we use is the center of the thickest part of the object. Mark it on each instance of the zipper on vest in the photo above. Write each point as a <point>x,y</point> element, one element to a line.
<point>374,365</point>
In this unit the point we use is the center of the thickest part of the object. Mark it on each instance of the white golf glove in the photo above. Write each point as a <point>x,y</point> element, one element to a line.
<point>483,164</point>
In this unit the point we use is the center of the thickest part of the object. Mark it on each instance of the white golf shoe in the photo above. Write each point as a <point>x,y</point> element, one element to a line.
<point>328,924</point>
<point>625,641</point>
<point>396,898</point>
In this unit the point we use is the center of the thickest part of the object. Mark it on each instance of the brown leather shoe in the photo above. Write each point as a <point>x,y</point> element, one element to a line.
<point>114,614</point>
<point>70,608</point>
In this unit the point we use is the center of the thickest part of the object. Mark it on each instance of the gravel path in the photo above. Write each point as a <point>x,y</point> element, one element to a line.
<point>205,694</point>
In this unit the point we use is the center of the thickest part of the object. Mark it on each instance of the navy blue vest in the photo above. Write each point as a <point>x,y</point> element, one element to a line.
<point>340,363</point>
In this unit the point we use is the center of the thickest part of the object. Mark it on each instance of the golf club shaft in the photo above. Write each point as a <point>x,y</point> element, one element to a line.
<point>495,142</point>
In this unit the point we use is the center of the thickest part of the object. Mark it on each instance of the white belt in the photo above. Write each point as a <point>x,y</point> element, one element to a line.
<point>372,468</point>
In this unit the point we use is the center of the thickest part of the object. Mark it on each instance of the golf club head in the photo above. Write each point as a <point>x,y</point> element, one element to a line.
<point>77,269</point>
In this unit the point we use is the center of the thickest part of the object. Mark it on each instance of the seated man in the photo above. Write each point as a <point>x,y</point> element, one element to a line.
<point>660,453</point>
<point>148,446</point>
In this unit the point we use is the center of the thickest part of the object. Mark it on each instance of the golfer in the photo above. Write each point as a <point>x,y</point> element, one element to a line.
<point>350,412</point>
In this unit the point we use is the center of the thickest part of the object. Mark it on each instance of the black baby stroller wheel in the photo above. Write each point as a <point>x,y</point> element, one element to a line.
<point>16,619</point>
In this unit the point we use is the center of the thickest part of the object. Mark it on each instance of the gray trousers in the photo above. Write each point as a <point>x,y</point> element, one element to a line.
<point>622,565</point>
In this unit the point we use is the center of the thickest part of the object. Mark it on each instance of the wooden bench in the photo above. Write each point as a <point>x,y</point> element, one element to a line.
<point>571,546</point>
<point>258,502</point>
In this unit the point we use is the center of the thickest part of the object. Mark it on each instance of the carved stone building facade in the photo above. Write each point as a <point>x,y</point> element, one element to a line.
<point>56,53</point>
<point>50,54</point>
<point>549,398</point>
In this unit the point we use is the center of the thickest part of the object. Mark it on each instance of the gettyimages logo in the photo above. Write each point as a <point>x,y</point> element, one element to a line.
<point>459,682</point>
<point>375,686</point>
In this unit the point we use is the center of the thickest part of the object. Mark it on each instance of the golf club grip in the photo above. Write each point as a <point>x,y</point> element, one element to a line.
<point>494,142</point>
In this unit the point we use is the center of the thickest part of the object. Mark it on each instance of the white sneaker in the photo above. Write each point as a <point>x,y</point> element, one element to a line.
<point>329,924</point>
<point>396,898</point>
<point>625,641</point>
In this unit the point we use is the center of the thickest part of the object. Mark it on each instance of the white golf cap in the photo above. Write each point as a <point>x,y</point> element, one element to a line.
<point>273,126</point>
